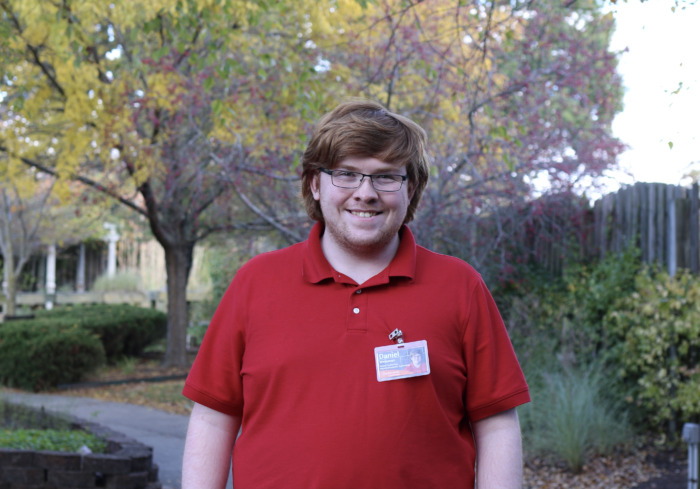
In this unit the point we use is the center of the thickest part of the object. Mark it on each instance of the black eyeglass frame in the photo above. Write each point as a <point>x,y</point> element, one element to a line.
<point>371,178</point>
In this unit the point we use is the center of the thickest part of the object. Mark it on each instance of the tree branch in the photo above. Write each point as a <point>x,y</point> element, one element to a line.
<point>286,232</point>
<point>252,169</point>
<point>32,49</point>
<point>151,211</point>
<point>79,178</point>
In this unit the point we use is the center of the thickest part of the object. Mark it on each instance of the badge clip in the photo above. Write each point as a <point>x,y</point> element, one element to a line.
<point>397,335</point>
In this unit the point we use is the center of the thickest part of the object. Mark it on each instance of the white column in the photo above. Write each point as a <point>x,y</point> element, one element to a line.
<point>5,277</point>
<point>111,238</point>
<point>80,272</point>
<point>5,280</point>
<point>50,276</point>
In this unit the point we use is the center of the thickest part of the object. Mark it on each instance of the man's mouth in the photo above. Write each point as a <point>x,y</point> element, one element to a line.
<point>364,213</point>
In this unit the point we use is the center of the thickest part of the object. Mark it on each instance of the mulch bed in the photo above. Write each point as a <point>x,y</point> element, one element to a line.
<point>647,468</point>
<point>673,468</point>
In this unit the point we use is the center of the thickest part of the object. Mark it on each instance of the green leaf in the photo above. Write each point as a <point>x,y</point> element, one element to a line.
<point>217,106</point>
<point>157,55</point>
<point>509,162</point>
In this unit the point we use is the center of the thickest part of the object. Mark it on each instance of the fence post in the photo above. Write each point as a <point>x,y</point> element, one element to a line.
<point>671,234</point>
<point>651,226</point>
<point>691,435</point>
<point>694,231</point>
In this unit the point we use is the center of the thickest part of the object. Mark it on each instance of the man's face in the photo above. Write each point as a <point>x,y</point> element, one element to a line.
<point>416,358</point>
<point>362,220</point>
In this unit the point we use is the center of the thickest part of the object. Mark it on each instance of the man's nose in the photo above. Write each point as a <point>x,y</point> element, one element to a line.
<point>366,189</point>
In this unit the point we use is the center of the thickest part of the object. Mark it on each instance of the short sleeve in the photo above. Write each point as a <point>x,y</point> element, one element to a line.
<point>495,381</point>
<point>215,377</point>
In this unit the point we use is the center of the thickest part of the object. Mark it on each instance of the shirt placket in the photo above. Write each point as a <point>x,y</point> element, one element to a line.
<point>357,311</point>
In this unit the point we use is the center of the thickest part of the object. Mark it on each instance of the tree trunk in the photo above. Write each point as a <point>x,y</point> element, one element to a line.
<point>178,261</point>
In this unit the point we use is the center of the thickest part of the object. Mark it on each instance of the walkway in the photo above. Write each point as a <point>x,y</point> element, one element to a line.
<point>164,432</point>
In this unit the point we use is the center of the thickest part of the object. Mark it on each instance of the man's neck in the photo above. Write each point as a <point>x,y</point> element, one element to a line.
<point>359,264</point>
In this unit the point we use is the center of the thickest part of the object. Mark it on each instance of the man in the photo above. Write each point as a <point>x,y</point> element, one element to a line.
<point>294,353</point>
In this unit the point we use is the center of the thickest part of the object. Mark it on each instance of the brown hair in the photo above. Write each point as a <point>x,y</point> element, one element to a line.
<point>365,129</point>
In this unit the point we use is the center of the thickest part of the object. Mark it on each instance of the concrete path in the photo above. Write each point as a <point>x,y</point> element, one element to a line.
<point>163,431</point>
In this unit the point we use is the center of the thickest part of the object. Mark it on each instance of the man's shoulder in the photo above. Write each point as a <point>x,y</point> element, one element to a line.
<point>443,263</point>
<point>286,257</point>
<point>436,268</point>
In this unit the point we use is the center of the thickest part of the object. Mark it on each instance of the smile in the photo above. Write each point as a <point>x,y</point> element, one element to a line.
<point>364,213</point>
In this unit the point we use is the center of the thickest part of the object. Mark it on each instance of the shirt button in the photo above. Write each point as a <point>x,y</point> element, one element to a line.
<point>356,310</point>
<point>358,291</point>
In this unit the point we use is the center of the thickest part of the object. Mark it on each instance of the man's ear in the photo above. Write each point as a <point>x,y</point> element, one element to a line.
<point>411,191</point>
<point>315,185</point>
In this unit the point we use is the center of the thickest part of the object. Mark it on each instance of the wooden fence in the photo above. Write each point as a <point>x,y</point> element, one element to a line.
<point>661,220</point>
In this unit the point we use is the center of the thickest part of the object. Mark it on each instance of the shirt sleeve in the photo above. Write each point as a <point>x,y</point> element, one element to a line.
<point>215,378</point>
<point>495,381</point>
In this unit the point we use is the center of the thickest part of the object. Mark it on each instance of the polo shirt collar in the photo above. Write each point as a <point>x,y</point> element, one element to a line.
<point>317,269</point>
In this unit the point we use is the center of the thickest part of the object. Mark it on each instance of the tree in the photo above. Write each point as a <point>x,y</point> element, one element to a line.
<point>518,100</point>
<point>180,110</point>
<point>34,212</point>
<point>193,112</point>
<point>22,215</point>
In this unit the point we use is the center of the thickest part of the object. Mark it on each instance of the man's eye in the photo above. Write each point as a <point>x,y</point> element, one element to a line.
<point>386,178</point>
<point>345,174</point>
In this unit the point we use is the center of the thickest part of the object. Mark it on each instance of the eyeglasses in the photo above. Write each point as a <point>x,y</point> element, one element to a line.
<point>353,179</point>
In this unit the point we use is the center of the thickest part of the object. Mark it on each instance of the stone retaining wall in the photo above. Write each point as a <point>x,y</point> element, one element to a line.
<point>127,465</point>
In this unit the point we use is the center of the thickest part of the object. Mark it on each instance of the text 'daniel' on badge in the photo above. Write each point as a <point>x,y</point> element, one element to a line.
<point>402,361</point>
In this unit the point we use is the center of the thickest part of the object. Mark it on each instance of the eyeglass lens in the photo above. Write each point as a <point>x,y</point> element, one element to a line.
<point>349,179</point>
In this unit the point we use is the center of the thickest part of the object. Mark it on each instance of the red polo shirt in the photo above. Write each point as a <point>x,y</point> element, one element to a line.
<point>291,349</point>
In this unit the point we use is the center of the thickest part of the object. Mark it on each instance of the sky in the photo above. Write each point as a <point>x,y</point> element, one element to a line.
<point>660,121</point>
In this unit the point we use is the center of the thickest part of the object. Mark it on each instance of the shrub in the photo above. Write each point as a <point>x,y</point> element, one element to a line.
<point>62,345</point>
<point>657,345</point>
<point>124,330</point>
<point>644,325</point>
<point>565,316</point>
<point>593,292</point>
<point>39,356</point>
<point>559,334</point>
<point>534,322</point>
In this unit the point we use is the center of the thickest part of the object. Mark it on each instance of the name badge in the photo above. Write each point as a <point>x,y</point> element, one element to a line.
<point>402,361</point>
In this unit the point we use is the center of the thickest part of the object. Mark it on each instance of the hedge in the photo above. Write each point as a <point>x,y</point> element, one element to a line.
<point>39,356</point>
<point>124,330</point>
<point>61,345</point>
